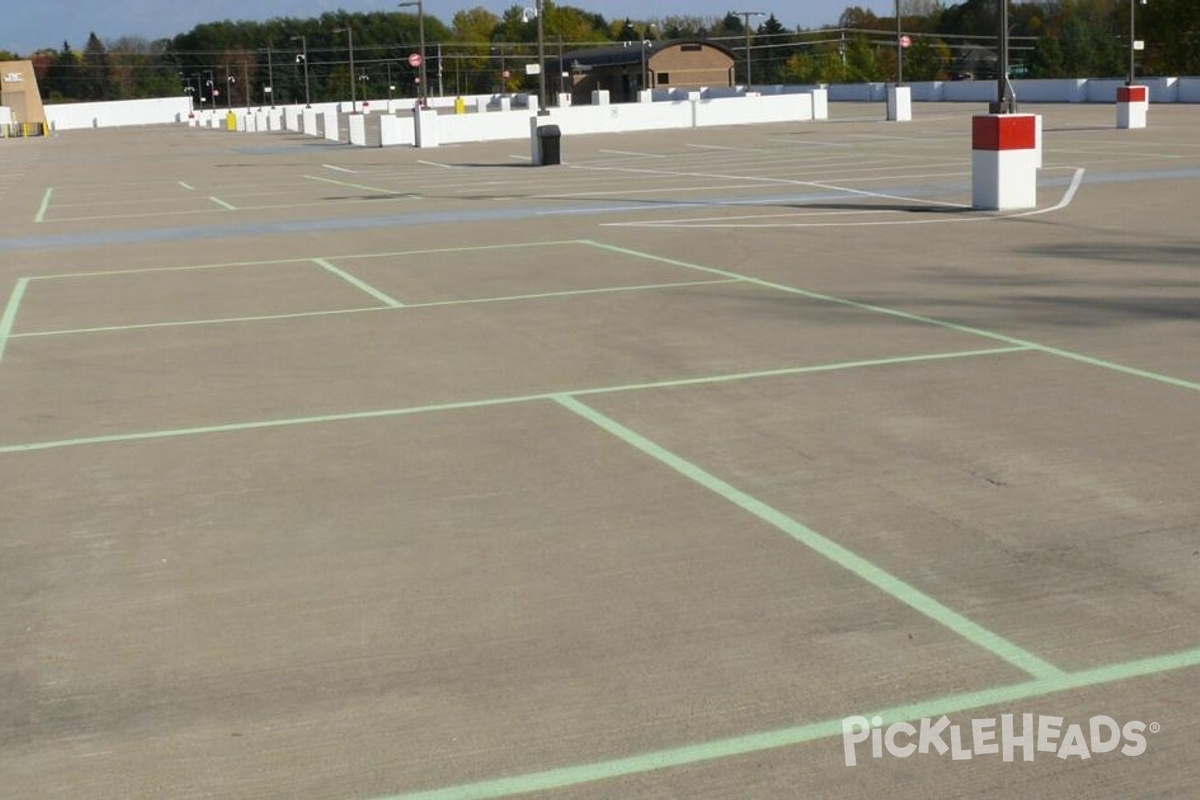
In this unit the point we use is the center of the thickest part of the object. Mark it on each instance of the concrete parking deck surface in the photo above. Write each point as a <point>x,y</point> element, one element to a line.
<point>360,473</point>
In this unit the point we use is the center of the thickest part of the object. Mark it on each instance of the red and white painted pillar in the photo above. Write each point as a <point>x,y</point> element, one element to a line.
<point>1132,103</point>
<point>1004,161</point>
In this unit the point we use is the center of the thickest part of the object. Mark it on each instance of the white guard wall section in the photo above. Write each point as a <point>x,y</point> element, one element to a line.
<point>69,116</point>
<point>899,104</point>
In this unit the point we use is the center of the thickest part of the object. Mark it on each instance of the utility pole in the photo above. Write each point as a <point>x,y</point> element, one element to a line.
<point>422,91</point>
<point>746,15</point>
<point>270,76</point>
<point>303,58</point>
<point>1001,106</point>
<point>353,78</point>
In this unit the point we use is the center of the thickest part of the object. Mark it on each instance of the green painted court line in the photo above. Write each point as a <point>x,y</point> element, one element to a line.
<point>778,373</point>
<point>436,303</point>
<point>221,202</point>
<point>1084,359</point>
<point>787,737</point>
<point>397,412</point>
<point>186,186</point>
<point>10,313</point>
<point>364,188</point>
<point>305,260</point>
<point>359,284</point>
<point>41,213</point>
<point>843,557</point>
<point>187,322</point>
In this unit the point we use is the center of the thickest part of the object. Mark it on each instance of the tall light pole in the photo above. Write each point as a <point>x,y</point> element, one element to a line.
<point>541,39</point>
<point>1001,106</point>
<point>1133,43</point>
<point>211,86</point>
<point>270,76</point>
<point>646,43</point>
<point>746,15</point>
<point>899,48</point>
<point>303,58</point>
<point>420,5</point>
<point>353,78</point>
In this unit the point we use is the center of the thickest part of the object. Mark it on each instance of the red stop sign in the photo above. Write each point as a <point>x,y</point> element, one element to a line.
<point>414,60</point>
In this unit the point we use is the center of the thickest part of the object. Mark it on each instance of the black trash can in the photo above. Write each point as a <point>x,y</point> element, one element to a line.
<point>550,144</point>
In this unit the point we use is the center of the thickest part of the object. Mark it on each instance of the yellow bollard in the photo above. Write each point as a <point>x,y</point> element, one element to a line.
<point>231,121</point>
<point>460,106</point>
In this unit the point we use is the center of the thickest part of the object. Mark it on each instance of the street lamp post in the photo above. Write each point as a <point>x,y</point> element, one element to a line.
<point>646,43</point>
<point>303,58</point>
<point>1002,105</point>
<point>1133,43</point>
<point>899,48</point>
<point>420,5</point>
<point>229,82</point>
<point>541,41</point>
<point>746,15</point>
<point>561,70</point>
<point>211,86</point>
<point>270,76</point>
<point>350,42</point>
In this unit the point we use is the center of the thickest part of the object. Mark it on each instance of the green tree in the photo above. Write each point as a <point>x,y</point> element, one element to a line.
<point>1047,60</point>
<point>772,47</point>
<point>62,76</point>
<point>94,83</point>
<point>861,60</point>
<point>927,60</point>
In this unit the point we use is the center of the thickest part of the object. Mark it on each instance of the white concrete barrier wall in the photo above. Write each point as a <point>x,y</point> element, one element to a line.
<point>1067,90</point>
<point>1162,90</point>
<point>428,127</point>
<point>969,91</point>
<point>455,128</point>
<point>899,104</point>
<point>750,110</point>
<point>329,125</point>
<point>1094,90</point>
<point>6,116</point>
<point>925,91</point>
<point>69,116</point>
<point>358,130</point>
<point>1103,90</point>
<point>820,103</point>
<point>395,130</point>
<point>849,92</point>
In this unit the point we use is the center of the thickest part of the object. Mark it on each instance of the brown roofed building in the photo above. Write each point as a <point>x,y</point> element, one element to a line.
<point>625,69</point>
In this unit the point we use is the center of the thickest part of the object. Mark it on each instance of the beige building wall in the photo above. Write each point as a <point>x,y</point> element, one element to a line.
<point>19,91</point>
<point>692,69</point>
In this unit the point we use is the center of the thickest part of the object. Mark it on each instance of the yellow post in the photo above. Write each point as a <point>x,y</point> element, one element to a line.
<point>231,121</point>
<point>460,106</point>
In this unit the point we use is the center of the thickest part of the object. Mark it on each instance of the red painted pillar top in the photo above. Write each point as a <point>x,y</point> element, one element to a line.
<point>1131,94</point>
<point>1004,132</point>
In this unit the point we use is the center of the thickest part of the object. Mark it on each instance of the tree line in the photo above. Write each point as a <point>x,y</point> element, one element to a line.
<point>290,59</point>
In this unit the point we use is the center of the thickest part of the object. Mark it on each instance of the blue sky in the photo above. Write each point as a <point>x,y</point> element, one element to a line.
<point>33,24</point>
